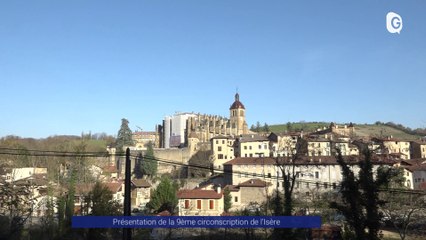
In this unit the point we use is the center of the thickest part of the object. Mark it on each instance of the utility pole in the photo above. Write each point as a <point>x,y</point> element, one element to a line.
<point>127,234</point>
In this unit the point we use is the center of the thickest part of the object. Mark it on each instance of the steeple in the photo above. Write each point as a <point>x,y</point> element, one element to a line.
<point>237,104</point>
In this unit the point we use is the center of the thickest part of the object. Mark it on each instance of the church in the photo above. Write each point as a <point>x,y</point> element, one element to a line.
<point>181,128</point>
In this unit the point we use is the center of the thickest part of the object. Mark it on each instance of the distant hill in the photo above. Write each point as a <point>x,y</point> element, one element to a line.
<point>383,131</point>
<point>361,130</point>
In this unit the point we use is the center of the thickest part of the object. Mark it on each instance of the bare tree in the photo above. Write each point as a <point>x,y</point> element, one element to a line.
<point>287,168</point>
<point>402,209</point>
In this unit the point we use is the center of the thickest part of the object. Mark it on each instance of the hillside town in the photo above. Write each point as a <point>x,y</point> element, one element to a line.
<point>218,167</point>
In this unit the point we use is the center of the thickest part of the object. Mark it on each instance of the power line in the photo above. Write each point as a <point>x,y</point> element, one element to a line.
<point>242,174</point>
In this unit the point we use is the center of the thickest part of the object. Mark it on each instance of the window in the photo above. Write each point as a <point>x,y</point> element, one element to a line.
<point>245,147</point>
<point>325,185</point>
<point>307,185</point>
<point>186,204</point>
<point>217,141</point>
<point>198,204</point>
<point>220,156</point>
<point>269,175</point>
<point>235,199</point>
<point>219,148</point>
<point>223,141</point>
<point>251,154</point>
<point>250,147</point>
<point>211,205</point>
<point>334,185</point>
<point>317,184</point>
<point>316,174</point>
<point>260,146</point>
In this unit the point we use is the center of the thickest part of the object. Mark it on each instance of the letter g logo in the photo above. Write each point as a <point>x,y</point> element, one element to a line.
<point>393,22</point>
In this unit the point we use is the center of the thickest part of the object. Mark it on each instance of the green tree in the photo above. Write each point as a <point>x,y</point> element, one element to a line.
<point>265,127</point>
<point>124,136</point>
<point>149,163</point>
<point>359,196</point>
<point>289,127</point>
<point>48,223</point>
<point>164,196</point>
<point>227,200</point>
<point>16,202</point>
<point>258,127</point>
<point>137,171</point>
<point>101,201</point>
<point>102,204</point>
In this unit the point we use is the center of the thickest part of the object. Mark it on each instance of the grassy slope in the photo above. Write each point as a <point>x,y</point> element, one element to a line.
<point>382,131</point>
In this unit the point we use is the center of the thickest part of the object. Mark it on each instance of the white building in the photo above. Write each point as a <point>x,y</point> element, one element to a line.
<point>175,129</point>
<point>313,172</point>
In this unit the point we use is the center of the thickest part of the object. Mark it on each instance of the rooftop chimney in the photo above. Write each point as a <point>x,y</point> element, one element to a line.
<point>218,189</point>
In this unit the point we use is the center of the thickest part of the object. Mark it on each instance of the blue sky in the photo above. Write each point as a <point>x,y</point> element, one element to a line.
<point>73,66</point>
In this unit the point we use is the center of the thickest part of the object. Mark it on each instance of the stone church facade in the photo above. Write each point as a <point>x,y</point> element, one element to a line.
<point>205,127</point>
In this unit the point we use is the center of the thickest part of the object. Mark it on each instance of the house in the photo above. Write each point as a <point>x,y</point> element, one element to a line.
<point>313,172</point>
<point>418,149</point>
<point>417,168</point>
<point>318,147</point>
<point>197,202</point>
<point>282,144</point>
<point>393,146</point>
<point>36,186</point>
<point>346,148</point>
<point>140,193</point>
<point>222,149</point>
<point>82,190</point>
<point>110,172</point>
<point>335,129</point>
<point>16,174</point>
<point>252,145</point>
<point>117,189</point>
<point>253,191</point>
<point>143,138</point>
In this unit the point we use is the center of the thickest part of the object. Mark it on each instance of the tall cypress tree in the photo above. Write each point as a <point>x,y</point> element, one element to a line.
<point>124,136</point>
<point>360,197</point>
<point>149,164</point>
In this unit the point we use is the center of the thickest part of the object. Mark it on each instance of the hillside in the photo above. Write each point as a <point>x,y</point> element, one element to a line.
<point>361,130</point>
<point>382,131</point>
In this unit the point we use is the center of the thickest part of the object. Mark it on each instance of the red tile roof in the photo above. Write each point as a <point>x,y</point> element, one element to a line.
<point>232,188</point>
<point>255,182</point>
<point>198,194</point>
<point>164,213</point>
<point>141,183</point>
<point>83,188</point>
<point>114,187</point>
<point>110,169</point>
<point>305,160</point>
<point>237,104</point>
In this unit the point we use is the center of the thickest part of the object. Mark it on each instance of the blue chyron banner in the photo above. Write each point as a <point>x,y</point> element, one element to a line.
<point>196,222</point>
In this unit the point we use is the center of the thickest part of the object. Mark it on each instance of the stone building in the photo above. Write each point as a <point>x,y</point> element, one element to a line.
<point>177,129</point>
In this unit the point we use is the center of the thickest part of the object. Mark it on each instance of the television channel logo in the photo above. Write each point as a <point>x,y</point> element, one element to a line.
<point>393,22</point>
